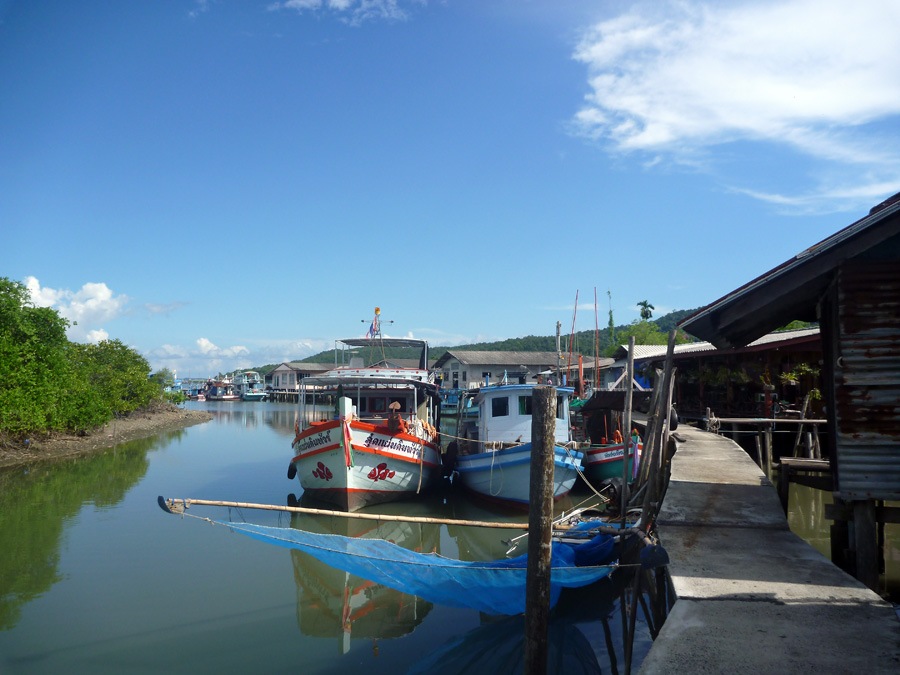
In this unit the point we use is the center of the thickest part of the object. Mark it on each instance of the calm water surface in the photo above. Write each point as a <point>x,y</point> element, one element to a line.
<point>95,578</point>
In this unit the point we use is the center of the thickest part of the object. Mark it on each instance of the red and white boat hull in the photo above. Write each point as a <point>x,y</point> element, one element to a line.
<point>354,464</point>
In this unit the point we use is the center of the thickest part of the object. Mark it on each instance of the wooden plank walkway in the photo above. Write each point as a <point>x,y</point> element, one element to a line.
<point>752,597</point>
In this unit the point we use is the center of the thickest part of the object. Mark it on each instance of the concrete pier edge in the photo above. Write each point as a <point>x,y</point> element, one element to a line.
<point>752,597</point>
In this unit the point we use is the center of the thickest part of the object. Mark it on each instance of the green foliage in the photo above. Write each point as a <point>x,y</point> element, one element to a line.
<point>163,378</point>
<point>646,310</point>
<point>175,397</point>
<point>798,325</point>
<point>48,383</point>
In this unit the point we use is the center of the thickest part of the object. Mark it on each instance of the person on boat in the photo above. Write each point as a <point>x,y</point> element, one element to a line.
<point>396,424</point>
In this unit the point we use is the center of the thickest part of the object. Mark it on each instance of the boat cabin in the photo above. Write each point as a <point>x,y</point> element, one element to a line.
<point>376,391</point>
<point>504,414</point>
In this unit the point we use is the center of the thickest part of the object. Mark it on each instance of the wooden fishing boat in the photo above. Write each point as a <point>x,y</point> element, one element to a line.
<point>490,456</point>
<point>368,434</point>
<point>603,461</point>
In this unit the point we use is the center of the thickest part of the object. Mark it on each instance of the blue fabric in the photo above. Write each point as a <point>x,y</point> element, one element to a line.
<point>493,587</point>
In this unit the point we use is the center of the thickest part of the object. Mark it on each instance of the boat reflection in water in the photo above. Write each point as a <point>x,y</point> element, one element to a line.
<point>585,635</point>
<point>332,603</point>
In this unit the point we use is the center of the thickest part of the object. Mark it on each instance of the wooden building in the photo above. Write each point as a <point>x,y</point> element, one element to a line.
<point>470,369</point>
<point>287,376</point>
<point>850,284</point>
<point>771,375</point>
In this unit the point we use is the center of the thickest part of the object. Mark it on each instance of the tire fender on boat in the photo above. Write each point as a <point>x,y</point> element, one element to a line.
<point>673,418</point>
<point>292,471</point>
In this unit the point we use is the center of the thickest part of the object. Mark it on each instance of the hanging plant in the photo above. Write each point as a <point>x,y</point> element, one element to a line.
<point>793,377</point>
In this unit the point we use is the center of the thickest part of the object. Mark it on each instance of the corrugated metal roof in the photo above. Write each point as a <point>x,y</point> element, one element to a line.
<point>479,358</point>
<point>644,352</point>
<point>791,290</point>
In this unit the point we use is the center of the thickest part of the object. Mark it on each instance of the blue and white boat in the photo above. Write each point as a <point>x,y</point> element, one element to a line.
<point>493,453</point>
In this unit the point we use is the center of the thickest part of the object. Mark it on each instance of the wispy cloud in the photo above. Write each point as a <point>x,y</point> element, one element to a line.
<point>163,309</point>
<point>354,12</point>
<point>87,308</point>
<point>816,77</point>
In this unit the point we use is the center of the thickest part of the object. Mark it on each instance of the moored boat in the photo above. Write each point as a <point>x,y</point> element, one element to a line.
<point>603,461</point>
<point>249,386</point>
<point>490,458</point>
<point>254,395</point>
<point>221,390</point>
<point>368,434</point>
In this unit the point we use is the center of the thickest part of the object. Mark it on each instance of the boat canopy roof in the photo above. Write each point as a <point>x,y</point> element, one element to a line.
<point>361,379</point>
<point>386,341</point>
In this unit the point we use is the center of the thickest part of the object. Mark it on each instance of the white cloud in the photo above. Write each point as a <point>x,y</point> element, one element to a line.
<point>93,304</point>
<point>814,76</point>
<point>96,336</point>
<point>209,349</point>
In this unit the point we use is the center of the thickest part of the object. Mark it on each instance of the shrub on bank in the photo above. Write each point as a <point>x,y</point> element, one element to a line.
<point>48,383</point>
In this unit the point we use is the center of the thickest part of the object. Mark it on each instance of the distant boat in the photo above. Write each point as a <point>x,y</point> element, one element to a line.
<point>254,395</point>
<point>368,434</point>
<point>491,458</point>
<point>221,390</point>
<point>249,386</point>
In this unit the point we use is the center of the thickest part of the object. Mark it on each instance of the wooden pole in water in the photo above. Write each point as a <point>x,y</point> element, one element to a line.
<point>540,529</point>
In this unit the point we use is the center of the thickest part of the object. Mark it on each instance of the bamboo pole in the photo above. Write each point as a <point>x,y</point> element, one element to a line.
<point>660,432</point>
<point>540,516</point>
<point>629,369</point>
<point>179,505</point>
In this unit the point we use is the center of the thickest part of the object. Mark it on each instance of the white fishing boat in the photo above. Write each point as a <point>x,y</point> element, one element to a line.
<point>368,434</point>
<point>493,455</point>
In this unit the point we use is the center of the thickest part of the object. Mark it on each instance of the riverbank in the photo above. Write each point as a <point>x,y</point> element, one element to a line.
<point>139,424</point>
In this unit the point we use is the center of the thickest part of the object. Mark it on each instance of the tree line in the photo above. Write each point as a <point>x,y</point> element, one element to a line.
<point>48,383</point>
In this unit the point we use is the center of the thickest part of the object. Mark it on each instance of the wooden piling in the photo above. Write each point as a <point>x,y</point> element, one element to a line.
<point>540,516</point>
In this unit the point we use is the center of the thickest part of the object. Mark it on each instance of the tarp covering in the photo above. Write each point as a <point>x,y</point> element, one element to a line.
<point>493,587</point>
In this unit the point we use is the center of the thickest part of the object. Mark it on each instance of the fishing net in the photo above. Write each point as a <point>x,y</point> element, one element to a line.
<point>493,587</point>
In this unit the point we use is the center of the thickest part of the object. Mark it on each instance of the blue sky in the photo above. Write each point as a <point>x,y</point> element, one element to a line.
<point>223,183</point>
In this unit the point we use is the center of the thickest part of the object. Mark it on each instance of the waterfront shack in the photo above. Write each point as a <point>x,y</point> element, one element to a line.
<point>850,284</point>
<point>462,369</point>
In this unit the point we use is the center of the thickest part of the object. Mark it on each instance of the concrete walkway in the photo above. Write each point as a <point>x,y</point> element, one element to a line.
<point>752,597</point>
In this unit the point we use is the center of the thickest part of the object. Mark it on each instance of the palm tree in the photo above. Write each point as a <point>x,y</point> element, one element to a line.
<point>646,310</point>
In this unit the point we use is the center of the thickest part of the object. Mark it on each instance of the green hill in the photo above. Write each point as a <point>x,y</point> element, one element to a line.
<point>653,332</point>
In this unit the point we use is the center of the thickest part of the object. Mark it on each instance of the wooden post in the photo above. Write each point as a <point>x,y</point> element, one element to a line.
<point>784,485</point>
<point>540,517</point>
<point>840,538</point>
<point>865,542</point>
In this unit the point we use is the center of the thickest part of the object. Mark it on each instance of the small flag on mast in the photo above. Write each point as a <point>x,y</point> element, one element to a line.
<point>375,327</point>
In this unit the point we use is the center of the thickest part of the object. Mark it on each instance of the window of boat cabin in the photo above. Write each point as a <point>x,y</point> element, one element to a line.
<point>500,406</point>
<point>524,405</point>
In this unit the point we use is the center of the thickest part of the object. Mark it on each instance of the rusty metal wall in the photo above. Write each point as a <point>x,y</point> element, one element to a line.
<point>867,380</point>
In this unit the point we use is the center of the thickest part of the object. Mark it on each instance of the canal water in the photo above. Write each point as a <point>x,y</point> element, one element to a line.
<point>95,577</point>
